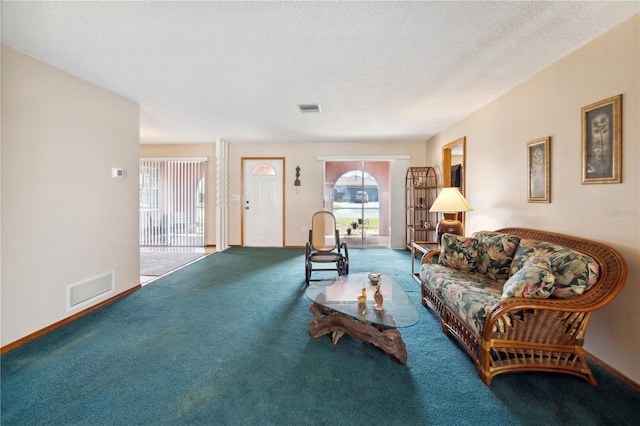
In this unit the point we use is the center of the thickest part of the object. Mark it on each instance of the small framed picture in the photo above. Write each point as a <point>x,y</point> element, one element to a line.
<point>602,141</point>
<point>539,159</point>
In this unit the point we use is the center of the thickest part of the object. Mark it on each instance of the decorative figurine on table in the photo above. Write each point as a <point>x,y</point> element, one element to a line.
<point>374,278</point>
<point>378,298</point>
<point>363,298</point>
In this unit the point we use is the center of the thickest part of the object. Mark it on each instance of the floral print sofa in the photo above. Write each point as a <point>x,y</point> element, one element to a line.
<point>520,299</point>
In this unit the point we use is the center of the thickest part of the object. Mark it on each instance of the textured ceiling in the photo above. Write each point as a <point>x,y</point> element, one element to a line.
<point>237,70</point>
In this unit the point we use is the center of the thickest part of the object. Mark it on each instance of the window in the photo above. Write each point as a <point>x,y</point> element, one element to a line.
<point>263,169</point>
<point>148,188</point>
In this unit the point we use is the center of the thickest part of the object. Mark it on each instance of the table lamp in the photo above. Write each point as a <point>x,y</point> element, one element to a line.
<point>450,202</point>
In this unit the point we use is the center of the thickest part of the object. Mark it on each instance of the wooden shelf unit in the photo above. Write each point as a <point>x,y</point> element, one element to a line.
<point>421,189</point>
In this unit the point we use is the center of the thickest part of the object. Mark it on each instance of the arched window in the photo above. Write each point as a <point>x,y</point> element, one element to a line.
<point>263,169</point>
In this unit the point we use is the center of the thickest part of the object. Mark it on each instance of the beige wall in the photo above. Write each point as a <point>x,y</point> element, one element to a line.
<point>549,105</point>
<point>207,150</point>
<point>301,202</point>
<point>64,219</point>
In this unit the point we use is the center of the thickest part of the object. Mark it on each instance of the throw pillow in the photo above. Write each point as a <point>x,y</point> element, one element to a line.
<point>495,254</point>
<point>575,272</point>
<point>534,280</point>
<point>459,252</point>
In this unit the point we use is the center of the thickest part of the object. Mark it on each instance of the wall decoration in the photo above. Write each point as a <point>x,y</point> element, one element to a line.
<point>602,141</point>
<point>539,179</point>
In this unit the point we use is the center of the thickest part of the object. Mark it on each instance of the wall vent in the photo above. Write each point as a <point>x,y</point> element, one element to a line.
<point>309,108</point>
<point>85,292</point>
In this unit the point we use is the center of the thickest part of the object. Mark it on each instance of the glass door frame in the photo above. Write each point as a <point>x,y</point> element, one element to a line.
<point>395,198</point>
<point>357,229</point>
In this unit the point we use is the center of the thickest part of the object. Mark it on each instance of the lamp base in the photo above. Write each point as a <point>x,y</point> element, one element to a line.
<point>449,225</point>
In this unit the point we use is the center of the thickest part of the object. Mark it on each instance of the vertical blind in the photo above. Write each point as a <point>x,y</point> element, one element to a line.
<point>172,202</point>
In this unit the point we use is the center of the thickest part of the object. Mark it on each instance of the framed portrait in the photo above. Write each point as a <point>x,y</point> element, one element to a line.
<point>538,160</point>
<point>602,141</point>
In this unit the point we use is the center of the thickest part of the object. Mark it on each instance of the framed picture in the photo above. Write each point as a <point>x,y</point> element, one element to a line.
<point>602,141</point>
<point>539,159</point>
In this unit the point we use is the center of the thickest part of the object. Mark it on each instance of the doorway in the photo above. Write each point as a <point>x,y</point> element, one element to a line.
<point>263,212</point>
<point>454,167</point>
<point>357,192</point>
<point>172,202</point>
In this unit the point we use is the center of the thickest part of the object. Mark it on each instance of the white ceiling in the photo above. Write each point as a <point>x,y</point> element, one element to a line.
<point>237,70</point>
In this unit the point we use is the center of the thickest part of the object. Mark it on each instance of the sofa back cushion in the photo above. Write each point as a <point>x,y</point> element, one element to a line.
<point>495,254</point>
<point>459,252</point>
<point>574,272</point>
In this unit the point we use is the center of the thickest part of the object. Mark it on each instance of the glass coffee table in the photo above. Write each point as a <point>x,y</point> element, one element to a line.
<point>336,311</point>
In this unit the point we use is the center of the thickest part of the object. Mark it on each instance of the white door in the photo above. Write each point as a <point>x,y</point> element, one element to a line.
<point>263,203</point>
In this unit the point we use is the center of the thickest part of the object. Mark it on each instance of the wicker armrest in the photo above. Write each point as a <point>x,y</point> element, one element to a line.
<point>430,257</point>
<point>501,315</point>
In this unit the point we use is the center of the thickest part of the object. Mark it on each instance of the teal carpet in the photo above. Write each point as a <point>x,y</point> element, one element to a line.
<point>224,341</point>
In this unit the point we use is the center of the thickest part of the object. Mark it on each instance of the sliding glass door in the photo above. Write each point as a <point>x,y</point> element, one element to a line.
<point>357,192</point>
<point>172,209</point>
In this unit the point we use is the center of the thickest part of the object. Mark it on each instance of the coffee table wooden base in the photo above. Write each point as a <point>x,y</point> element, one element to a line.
<point>329,321</point>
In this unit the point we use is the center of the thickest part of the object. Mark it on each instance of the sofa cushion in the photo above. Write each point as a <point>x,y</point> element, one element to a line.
<point>574,272</point>
<point>495,253</point>
<point>472,300</point>
<point>534,280</point>
<point>435,275</point>
<point>459,252</point>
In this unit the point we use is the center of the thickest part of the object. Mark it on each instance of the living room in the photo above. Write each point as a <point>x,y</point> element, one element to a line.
<point>67,219</point>
<point>548,104</point>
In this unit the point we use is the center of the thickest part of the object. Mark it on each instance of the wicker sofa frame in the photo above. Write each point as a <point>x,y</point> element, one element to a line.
<point>549,333</point>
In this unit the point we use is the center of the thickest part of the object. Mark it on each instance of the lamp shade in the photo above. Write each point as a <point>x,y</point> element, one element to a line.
<point>450,200</point>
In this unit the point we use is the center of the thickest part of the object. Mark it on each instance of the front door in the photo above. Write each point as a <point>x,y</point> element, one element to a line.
<point>263,202</point>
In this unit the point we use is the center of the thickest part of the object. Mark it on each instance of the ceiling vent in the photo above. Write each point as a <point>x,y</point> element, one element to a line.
<point>309,107</point>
